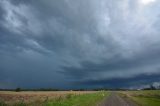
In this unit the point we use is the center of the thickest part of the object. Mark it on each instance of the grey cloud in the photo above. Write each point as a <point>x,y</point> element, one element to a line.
<point>72,41</point>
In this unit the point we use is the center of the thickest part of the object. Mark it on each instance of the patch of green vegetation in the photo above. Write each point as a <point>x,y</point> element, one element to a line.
<point>2,103</point>
<point>79,100</point>
<point>145,101</point>
<point>16,104</point>
<point>20,104</point>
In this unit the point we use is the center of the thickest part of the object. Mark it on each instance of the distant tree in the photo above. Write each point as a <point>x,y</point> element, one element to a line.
<point>18,89</point>
<point>152,87</point>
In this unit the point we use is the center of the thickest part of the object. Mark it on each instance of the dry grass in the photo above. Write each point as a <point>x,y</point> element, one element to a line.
<point>143,93</point>
<point>10,97</point>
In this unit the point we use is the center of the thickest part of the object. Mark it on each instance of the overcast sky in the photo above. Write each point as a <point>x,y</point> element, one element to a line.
<point>79,43</point>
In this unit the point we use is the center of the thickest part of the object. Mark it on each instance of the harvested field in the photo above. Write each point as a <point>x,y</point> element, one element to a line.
<point>31,96</point>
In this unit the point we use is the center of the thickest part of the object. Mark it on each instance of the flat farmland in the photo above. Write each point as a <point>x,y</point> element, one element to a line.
<point>50,98</point>
<point>27,96</point>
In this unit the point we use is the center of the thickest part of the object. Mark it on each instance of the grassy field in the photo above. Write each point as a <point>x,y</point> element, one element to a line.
<point>62,98</point>
<point>144,98</point>
<point>81,100</point>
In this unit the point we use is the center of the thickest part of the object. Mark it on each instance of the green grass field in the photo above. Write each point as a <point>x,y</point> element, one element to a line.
<point>144,98</point>
<point>81,100</point>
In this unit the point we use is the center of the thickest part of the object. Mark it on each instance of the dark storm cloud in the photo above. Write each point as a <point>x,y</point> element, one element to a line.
<point>141,62</point>
<point>56,43</point>
<point>122,82</point>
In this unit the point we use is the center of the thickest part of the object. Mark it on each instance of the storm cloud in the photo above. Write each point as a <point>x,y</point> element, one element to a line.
<point>78,44</point>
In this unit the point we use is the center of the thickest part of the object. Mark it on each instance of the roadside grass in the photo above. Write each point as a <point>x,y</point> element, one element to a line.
<point>79,100</point>
<point>145,101</point>
<point>144,97</point>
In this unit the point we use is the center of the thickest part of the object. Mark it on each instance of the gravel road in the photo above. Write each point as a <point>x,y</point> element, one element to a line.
<point>115,100</point>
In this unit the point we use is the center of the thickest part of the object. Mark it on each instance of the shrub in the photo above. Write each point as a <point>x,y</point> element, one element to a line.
<point>18,89</point>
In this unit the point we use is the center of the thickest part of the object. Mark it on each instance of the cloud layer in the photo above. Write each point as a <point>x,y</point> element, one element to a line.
<point>78,44</point>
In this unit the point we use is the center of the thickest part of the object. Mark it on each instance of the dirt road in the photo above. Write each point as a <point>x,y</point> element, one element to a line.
<point>115,100</point>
